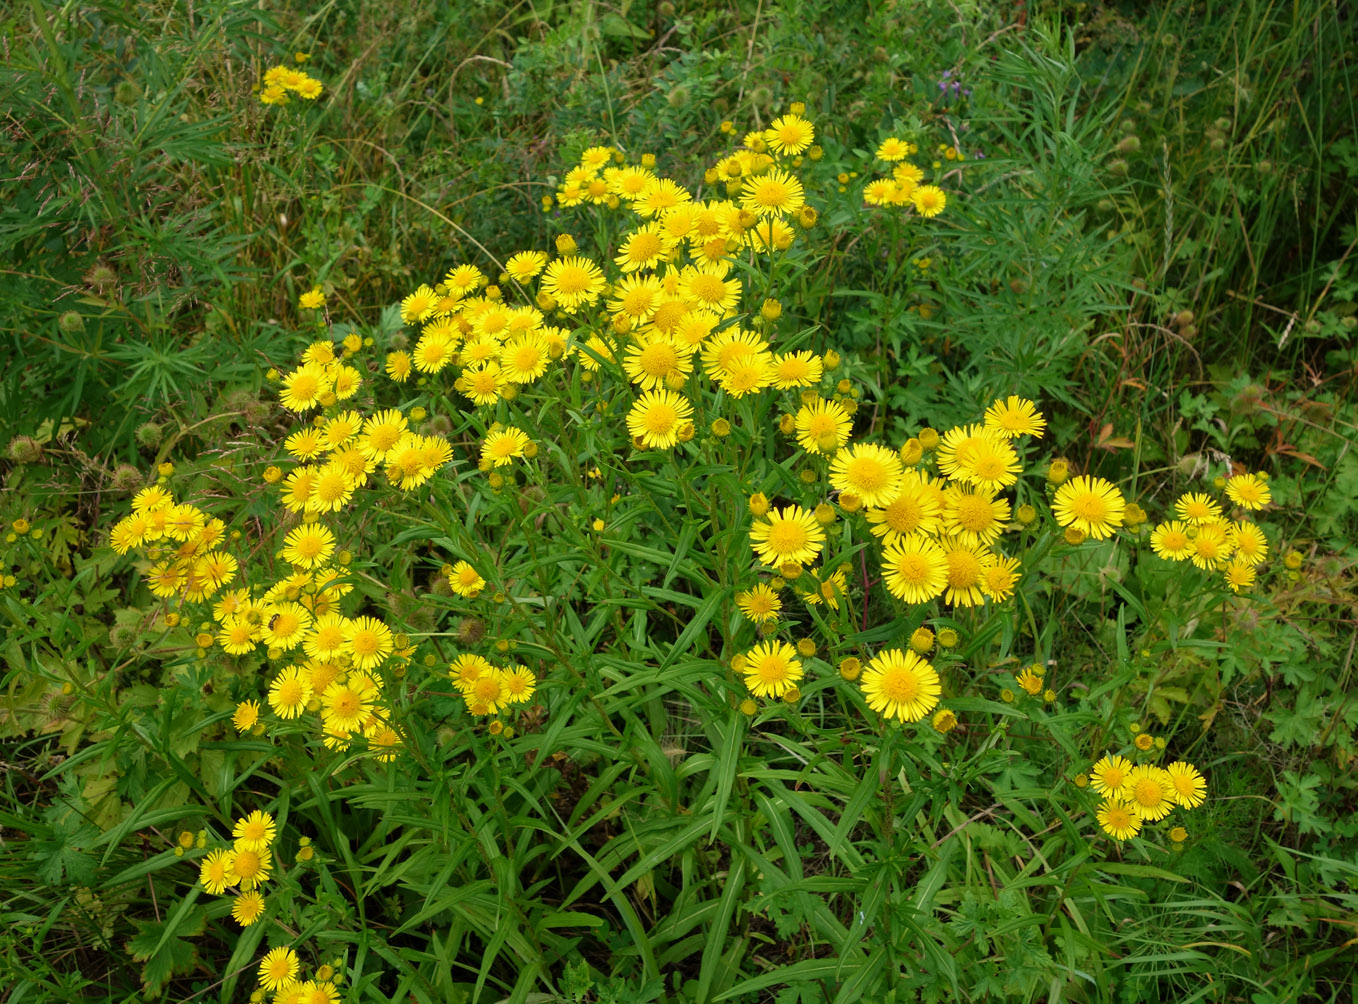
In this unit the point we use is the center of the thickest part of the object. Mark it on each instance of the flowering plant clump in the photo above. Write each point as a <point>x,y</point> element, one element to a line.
<point>635,468</point>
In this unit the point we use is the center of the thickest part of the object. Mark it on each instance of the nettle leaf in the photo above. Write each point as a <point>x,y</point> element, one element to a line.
<point>166,953</point>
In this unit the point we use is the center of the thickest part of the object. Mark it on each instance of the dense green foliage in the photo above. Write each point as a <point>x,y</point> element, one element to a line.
<point>1151,235</point>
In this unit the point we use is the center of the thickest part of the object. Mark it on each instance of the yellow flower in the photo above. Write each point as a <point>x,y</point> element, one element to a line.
<point>788,535</point>
<point>1248,491</point>
<point>760,604</point>
<point>1188,784</point>
<point>247,714</point>
<point>771,669</point>
<point>901,685</point>
<point>255,832</point>
<point>1150,792</point>
<point>872,473</point>
<point>308,546</point>
<point>657,418</point>
<point>892,149</point>
<point>218,871</point>
<point>1110,775</point>
<point>1015,416</point>
<point>503,445</point>
<point>312,299</point>
<point>278,968</point>
<point>1119,819</point>
<point>789,135</point>
<point>247,908</point>
<point>1091,505</point>
<point>929,200</point>
<point>915,568</point>
<point>1170,540</point>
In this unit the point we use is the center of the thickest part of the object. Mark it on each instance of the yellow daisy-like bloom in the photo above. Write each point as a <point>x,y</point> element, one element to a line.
<point>789,135</point>
<point>332,489</point>
<point>466,669</point>
<point>871,472</point>
<point>1091,505</point>
<point>524,358</point>
<point>238,637</point>
<point>525,265</point>
<point>628,183</point>
<point>399,366</point>
<point>369,641</point>
<point>433,351</point>
<point>973,518</point>
<point>1119,819</point>
<point>707,286</point>
<point>290,692</point>
<point>822,426</point>
<point>917,509</point>
<point>892,149</point>
<point>999,576</point>
<point>659,194</point>
<point>776,193</point>
<point>277,968</point>
<point>728,348</point>
<point>1197,508</point>
<point>901,685</point>
<point>519,684</point>
<point>252,868</point>
<point>658,417</point>
<point>1248,491</point>
<point>465,580</point>
<point>1251,546</point>
<point>573,282</point>
<point>419,305</point>
<point>747,375</point>
<point>980,457</point>
<point>304,387</point>
<point>907,175</point>
<point>326,638</point>
<point>151,499</point>
<point>247,908</point>
<point>503,445</point>
<point>966,568</point>
<point>636,297</point>
<point>308,545</point>
<point>944,721</point>
<point>217,871</point>
<point>1110,775</point>
<point>655,361</point>
<point>915,569</point>
<point>929,200</point>
<point>381,431</point>
<point>1211,547</point>
<point>788,536</point>
<point>462,279</point>
<point>483,383</point>
<point>879,192</point>
<point>1029,681</point>
<point>1150,792</point>
<point>760,604</point>
<point>642,248</point>
<point>796,369</point>
<point>1188,784</point>
<point>255,832</point>
<point>346,706</point>
<point>1170,541</point>
<point>1239,575</point>
<point>486,694</point>
<point>1014,416</point>
<point>771,669</point>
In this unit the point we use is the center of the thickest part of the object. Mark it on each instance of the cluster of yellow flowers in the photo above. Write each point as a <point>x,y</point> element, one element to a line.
<point>1144,793</point>
<point>935,503</point>
<point>280,81</point>
<point>1202,533</point>
<point>903,187</point>
<point>246,865</point>
<point>486,688</point>
<point>181,543</point>
<point>278,972</point>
